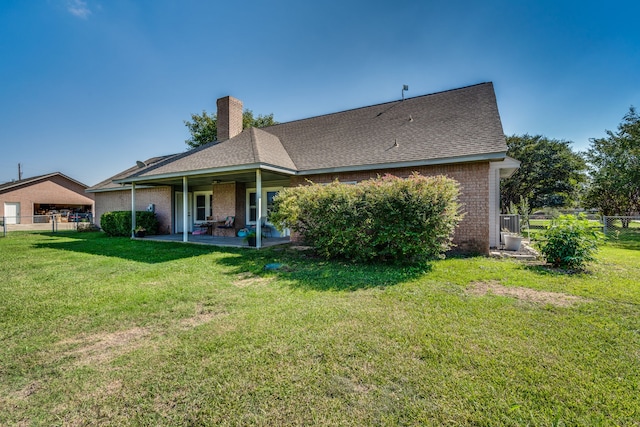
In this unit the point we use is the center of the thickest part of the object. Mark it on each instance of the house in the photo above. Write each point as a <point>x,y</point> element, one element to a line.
<point>457,133</point>
<point>112,196</point>
<point>35,199</point>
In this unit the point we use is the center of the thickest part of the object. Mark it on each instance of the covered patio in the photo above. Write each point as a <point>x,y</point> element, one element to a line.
<point>230,192</point>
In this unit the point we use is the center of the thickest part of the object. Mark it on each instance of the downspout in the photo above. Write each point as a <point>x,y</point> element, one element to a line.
<point>133,209</point>
<point>258,208</point>
<point>185,209</point>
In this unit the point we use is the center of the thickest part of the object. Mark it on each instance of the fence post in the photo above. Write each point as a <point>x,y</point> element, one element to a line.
<point>4,226</point>
<point>604,225</point>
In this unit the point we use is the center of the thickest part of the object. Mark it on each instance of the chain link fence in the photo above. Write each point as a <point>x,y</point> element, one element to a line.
<point>51,223</point>
<point>621,225</point>
<point>533,225</point>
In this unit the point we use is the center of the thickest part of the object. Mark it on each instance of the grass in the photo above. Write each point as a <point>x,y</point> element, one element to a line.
<point>110,331</point>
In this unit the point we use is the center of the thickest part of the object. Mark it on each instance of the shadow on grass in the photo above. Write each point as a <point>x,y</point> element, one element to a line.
<point>549,270</point>
<point>303,270</point>
<point>297,269</point>
<point>123,247</point>
<point>625,240</point>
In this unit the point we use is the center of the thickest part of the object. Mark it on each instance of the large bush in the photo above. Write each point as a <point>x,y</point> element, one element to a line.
<point>570,241</point>
<point>387,218</point>
<point>118,223</point>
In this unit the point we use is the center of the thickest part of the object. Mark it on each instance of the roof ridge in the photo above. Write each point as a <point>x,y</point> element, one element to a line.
<point>259,149</point>
<point>32,179</point>
<point>254,144</point>
<point>380,104</point>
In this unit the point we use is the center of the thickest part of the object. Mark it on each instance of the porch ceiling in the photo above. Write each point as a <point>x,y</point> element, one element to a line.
<point>246,176</point>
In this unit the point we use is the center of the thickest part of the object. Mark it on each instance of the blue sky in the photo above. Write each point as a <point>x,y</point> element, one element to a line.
<point>87,87</point>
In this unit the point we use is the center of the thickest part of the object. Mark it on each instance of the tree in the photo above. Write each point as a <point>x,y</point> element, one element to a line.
<point>550,173</point>
<point>615,169</point>
<point>204,128</point>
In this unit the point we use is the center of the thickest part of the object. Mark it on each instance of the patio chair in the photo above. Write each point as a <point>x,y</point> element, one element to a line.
<point>266,229</point>
<point>228,222</point>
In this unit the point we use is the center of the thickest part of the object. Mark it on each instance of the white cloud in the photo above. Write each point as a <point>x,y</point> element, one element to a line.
<point>78,8</point>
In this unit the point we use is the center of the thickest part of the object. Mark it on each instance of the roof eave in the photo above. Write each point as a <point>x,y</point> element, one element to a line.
<point>119,188</point>
<point>35,179</point>
<point>199,172</point>
<point>491,157</point>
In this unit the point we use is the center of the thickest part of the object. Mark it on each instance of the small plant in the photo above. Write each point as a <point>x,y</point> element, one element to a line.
<point>570,242</point>
<point>140,231</point>
<point>250,237</point>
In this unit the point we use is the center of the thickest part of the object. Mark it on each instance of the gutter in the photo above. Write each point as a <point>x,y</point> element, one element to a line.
<point>199,172</point>
<point>491,157</point>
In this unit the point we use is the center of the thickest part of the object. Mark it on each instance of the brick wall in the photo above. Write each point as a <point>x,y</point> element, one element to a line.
<point>472,234</point>
<point>224,200</point>
<point>121,201</point>
<point>229,117</point>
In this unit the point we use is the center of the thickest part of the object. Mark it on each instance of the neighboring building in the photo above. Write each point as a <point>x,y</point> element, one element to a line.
<point>456,133</point>
<point>34,199</point>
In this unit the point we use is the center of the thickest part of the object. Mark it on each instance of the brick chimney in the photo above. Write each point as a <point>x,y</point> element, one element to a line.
<point>229,117</point>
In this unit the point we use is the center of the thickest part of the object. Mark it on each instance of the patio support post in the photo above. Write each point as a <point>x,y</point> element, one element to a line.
<point>133,209</point>
<point>185,209</point>
<point>258,208</point>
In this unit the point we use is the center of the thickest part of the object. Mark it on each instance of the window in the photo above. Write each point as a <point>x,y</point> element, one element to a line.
<point>267,203</point>
<point>201,208</point>
<point>270,196</point>
<point>252,207</point>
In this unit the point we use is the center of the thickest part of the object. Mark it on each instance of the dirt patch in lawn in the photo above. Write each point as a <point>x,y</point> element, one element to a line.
<point>525,294</point>
<point>104,347</point>
<point>203,315</point>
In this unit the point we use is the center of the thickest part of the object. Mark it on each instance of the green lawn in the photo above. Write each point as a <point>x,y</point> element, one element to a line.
<point>110,331</point>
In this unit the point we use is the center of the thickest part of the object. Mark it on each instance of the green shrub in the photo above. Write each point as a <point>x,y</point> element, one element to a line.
<point>570,241</point>
<point>388,218</point>
<point>118,223</point>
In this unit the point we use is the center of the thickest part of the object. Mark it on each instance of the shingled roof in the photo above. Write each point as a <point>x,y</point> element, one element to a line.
<point>32,180</point>
<point>109,184</point>
<point>447,127</point>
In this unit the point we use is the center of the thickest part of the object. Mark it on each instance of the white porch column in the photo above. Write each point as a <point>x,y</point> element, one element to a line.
<point>185,209</point>
<point>258,208</point>
<point>133,209</point>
